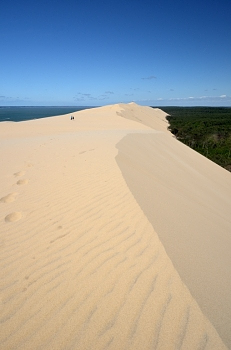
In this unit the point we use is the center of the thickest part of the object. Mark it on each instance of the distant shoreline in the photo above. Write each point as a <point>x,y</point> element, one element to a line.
<point>23,113</point>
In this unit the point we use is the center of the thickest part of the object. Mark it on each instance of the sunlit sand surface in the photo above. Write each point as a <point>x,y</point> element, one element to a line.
<point>94,215</point>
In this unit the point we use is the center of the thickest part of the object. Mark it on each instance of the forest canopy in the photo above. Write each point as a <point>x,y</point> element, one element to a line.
<point>205,129</point>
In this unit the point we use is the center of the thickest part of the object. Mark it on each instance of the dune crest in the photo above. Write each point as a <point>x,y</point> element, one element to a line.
<point>84,268</point>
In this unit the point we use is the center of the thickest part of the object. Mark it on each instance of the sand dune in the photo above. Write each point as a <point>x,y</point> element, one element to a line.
<point>88,210</point>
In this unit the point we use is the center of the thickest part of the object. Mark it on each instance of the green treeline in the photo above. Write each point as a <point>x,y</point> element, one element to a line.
<point>205,129</point>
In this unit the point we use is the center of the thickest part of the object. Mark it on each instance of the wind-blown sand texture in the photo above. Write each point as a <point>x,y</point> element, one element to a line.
<point>113,235</point>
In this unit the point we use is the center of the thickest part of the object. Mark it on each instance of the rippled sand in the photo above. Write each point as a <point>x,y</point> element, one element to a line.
<point>84,263</point>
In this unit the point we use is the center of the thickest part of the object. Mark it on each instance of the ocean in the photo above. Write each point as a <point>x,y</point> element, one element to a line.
<point>18,114</point>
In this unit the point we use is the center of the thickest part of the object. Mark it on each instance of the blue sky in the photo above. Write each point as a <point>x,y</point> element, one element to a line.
<point>92,53</point>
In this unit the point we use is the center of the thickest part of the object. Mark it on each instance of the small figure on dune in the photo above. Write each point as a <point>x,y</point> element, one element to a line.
<point>72,117</point>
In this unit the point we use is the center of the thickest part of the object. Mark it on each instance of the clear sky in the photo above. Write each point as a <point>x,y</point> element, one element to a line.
<point>95,52</point>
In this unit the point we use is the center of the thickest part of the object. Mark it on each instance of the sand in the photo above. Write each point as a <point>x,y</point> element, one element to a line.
<point>113,235</point>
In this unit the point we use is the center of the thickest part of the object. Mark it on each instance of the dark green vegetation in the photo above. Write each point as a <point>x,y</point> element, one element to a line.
<point>205,129</point>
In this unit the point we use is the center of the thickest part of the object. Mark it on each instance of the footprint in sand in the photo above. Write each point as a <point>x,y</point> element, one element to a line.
<point>19,173</point>
<point>22,182</point>
<point>9,198</point>
<point>92,149</point>
<point>28,165</point>
<point>13,217</point>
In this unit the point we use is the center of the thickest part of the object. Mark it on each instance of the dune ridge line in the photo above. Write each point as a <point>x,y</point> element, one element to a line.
<point>82,265</point>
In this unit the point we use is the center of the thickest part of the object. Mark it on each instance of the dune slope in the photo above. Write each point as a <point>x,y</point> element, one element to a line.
<point>82,265</point>
<point>187,198</point>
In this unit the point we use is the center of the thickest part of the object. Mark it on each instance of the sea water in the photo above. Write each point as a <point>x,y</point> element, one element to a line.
<point>17,114</point>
